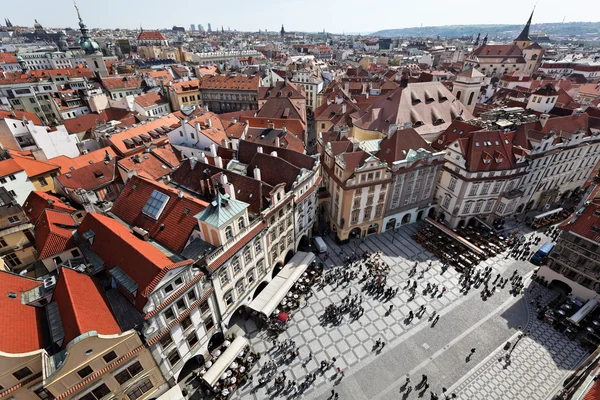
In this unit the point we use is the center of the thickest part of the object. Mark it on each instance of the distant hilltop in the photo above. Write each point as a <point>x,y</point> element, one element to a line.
<point>567,29</point>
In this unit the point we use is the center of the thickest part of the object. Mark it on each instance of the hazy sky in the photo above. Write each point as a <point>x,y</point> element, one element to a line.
<point>300,15</point>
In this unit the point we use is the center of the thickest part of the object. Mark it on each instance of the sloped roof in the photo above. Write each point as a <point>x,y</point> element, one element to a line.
<point>247,150</point>
<point>16,114</point>
<point>91,176</point>
<point>225,82</point>
<point>221,210</point>
<point>118,247</point>
<point>32,166</point>
<point>396,148</point>
<point>274,170</point>
<point>37,202</point>
<point>121,82</point>
<point>587,224</point>
<point>151,35</point>
<point>9,167</point>
<point>68,164</point>
<point>430,107</point>
<point>487,151</point>
<point>150,99</point>
<point>83,305</point>
<point>498,50</point>
<point>174,225</point>
<point>147,163</point>
<point>23,325</point>
<point>281,89</point>
<point>87,122</point>
<point>117,139</point>
<point>280,107</point>
<point>54,233</point>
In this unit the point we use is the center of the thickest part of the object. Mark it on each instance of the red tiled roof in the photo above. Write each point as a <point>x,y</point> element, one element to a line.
<point>120,147</point>
<point>167,155</point>
<point>22,324</point>
<point>186,86</point>
<point>32,166</point>
<point>594,392</point>
<point>91,176</point>
<point>145,162</point>
<point>37,202</point>
<point>281,89</point>
<point>587,224</point>
<point>68,164</point>
<point>151,35</point>
<point>16,114</point>
<point>176,222</point>
<point>231,82</point>
<point>396,148</point>
<point>121,82</point>
<point>280,107</point>
<point>295,126</point>
<point>53,233</point>
<point>83,306</point>
<point>87,122</point>
<point>9,167</point>
<point>491,146</point>
<point>117,246</point>
<point>149,100</point>
<point>498,50</point>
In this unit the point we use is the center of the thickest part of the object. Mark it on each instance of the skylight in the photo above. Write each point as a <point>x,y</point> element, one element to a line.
<point>155,204</point>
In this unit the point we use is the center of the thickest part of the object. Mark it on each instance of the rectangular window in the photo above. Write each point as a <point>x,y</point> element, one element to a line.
<point>108,357</point>
<point>169,314</point>
<point>257,247</point>
<point>186,322</point>
<point>165,341</point>
<point>85,371</point>
<point>474,188</point>
<point>478,207</point>
<point>237,268</point>
<point>192,296</point>
<point>180,304</point>
<point>13,219</point>
<point>209,323</point>
<point>155,204</point>
<point>224,277</point>
<point>192,339</point>
<point>467,207</point>
<point>129,372</point>
<point>452,184</point>
<point>42,181</point>
<point>97,394</point>
<point>140,390</point>
<point>204,307</point>
<point>22,373</point>
<point>174,358</point>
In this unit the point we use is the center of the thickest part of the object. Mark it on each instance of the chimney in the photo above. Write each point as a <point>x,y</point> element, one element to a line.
<point>107,156</point>
<point>193,161</point>
<point>544,119</point>
<point>257,173</point>
<point>283,128</point>
<point>328,101</point>
<point>578,111</point>
<point>213,150</point>
<point>180,194</point>
<point>197,130</point>
<point>259,149</point>
<point>203,158</point>
<point>277,142</point>
<point>271,125</point>
<point>274,153</point>
<point>228,187</point>
<point>209,122</point>
<point>218,162</point>
<point>347,86</point>
<point>364,87</point>
<point>343,108</point>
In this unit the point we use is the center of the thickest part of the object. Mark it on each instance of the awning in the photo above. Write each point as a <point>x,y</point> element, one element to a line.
<point>456,237</point>
<point>484,224</point>
<point>270,297</point>
<point>548,213</point>
<point>224,361</point>
<point>583,311</point>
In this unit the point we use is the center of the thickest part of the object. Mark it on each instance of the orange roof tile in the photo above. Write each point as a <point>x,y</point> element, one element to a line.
<point>149,99</point>
<point>91,176</point>
<point>224,82</point>
<point>83,306</point>
<point>145,162</point>
<point>37,202</point>
<point>151,35</point>
<point>53,233</point>
<point>174,225</point>
<point>68,164</point>
<point>121,82</point>
<point>9,167</point>
<point>34,167</point>
<point>117,139</point>
<point>117,246</point>
<point>16,114</point>
<point>26,326</point>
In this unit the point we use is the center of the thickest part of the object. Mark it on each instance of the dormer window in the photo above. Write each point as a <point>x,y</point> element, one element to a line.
<point>486,160</point>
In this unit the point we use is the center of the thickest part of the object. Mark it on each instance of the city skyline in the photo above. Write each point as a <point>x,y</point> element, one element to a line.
<point>245,18</point>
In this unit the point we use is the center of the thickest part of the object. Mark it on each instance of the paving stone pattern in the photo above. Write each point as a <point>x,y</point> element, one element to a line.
<point>534,369</point>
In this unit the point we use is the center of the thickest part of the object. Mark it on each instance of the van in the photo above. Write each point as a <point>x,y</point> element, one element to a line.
<point>540,256</point>
<point>320,245</point>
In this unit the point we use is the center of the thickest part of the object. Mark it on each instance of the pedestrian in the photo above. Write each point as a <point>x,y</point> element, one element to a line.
<point>390,309</point>
<point>424,378</point>
<point>336,396</point>
<point>332,393</point>
<point>473,351</point>
<point>382,345</point>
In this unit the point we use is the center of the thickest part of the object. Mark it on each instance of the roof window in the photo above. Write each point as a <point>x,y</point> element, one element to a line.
<point>155,204</point>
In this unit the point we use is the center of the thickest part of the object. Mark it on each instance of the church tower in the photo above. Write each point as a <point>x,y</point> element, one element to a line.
<point>523,39</point>
<point>282,32</point>
<point>467,86</point>
<point>93,55</point>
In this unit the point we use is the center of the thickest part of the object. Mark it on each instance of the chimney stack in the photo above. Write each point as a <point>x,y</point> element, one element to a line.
<point>271,125</point>
<point>219,162</point>
<point>197,130</point>
<point>213,150</point>
<point>259,149</point>
<point>257,173</point>
<point>277,141</point>
<point>343,108</point>
<point>544,119</point>
<point>274,153</point>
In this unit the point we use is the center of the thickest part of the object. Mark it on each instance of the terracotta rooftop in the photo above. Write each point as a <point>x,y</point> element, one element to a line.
<point>37,202</point>
<point>83,306</point>
<point>118,247</point>
<point>134,139</point>
<point>16,114</point>
<point>586,224</point>
<point>68,164</point>
<point>26,324</point>
<point>176,222</point>
<point>32,166</point>
<point>149,100</point>
<point>53,233</point>
<point>222,82</point>
<point>9,167</point>
<point>151,35</point>
<point>121,82</point>
<point>91,176</point>
<point>87,122</point>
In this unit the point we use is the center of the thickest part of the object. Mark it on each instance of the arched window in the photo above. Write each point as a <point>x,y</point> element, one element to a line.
<point>228,298</point>
<point>228,233</point>
<point>471,98</point>
<point>240,288</point>
<point>241,223</point>
<point>458,94</point>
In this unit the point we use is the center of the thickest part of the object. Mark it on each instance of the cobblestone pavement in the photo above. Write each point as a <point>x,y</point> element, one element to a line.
<point>538,364</point>
<point>416,348</point>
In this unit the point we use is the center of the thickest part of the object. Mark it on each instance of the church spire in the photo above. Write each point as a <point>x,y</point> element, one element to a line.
<point>477,40</point>
<point>524,36</point>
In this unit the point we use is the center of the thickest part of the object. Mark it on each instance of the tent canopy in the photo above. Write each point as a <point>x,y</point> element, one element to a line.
<point>268,300</point>
<point>548,213</point>
<point>583,311</point>
<point>224,361</point>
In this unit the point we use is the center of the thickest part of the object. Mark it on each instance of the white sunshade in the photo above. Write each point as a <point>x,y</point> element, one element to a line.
<point>583,311</point>
<point>224,361</point>
<point>557,210</point>
<point>270,297</point>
